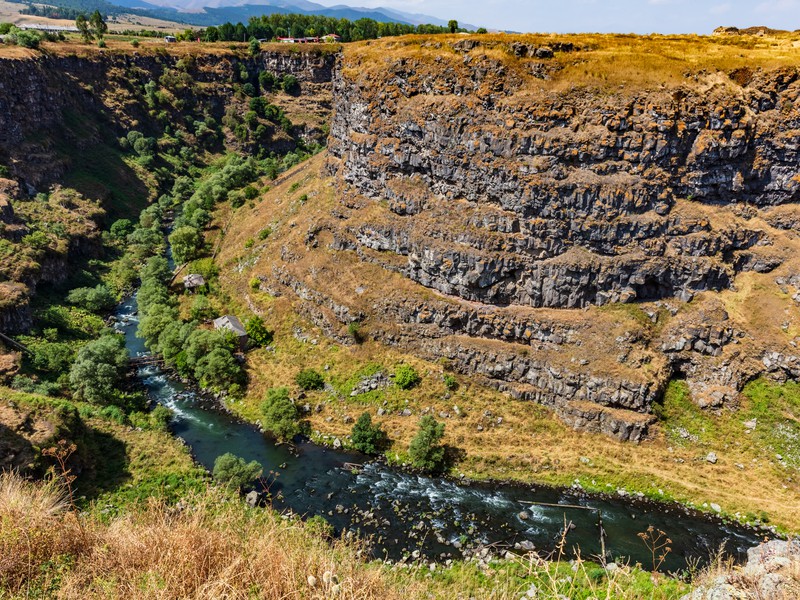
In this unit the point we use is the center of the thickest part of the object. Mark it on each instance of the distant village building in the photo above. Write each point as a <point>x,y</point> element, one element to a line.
<point>193,281</point>
<point>170,39</point>
<point>233,324</point>
<point>301,40</point>
<point>331,38</point>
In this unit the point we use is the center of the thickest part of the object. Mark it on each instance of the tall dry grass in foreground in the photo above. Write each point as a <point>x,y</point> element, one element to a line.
<point>213,548</point>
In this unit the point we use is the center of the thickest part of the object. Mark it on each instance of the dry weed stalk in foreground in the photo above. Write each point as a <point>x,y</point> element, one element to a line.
<point>36,528</point>
<point>210,548</point>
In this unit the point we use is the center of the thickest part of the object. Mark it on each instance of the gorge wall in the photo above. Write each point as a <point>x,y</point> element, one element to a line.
<point>573,243</point>
<point>62,116</point>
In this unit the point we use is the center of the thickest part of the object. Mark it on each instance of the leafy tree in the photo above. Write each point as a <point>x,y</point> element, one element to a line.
<point>452,25</point>
<point>154,321</point>
<point>255,47</point>
<point>257,332</point>
<point>96,299</point>
<point>24,37</point>
<point>84,28</point>
<point>153,294</point>
<point>52,357</point>
<point>172,340</point>
<point>201,309</point>
<point>406,377</point>
<point>290,84</point>
<point>309,379</point>
<point>426,452</point>
<point>122,276</point>
<point>99,27</point>
<point>366,437</point>
<point>185,242</point>
<point>156,269</point>
<point>97,371</point>
<point>279,414</point>
<point>121,228</point>
<point>235,472</point>
<point>218,369</point>
<point>267,81</point>
<point>481,30</point>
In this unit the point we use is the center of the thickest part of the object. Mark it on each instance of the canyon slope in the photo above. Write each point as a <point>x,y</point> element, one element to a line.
<point>574,220</point>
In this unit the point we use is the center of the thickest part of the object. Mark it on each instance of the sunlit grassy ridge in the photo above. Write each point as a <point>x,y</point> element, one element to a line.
<point>596,60</point>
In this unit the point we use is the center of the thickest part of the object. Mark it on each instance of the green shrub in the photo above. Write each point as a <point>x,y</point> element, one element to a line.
<point>366,437</point>
<point>264,233</point>
<point>51,357</point>
<point>249,243</point>
<point>96,299</point>
<point>280,415</point>
<point>234,472</point>
<point>267,81</point>
<point>450,382</point>
<point>201,309</point>
<point>98,369</point>
<point>425,451</point>
<point>354,330</point>
<point>114,413</point>
<point>135,43</point>
<point>319,526</point>
<point>257,332</point>
<point>309,379</point>
<point>406,377</point>
<point>290,84</point>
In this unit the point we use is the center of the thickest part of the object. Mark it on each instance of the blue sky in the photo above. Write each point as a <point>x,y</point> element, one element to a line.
<point>634,16</point>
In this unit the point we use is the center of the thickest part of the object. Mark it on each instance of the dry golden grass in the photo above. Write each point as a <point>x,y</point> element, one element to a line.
<point>118,44</point>
<point>604,61</point>
<point>211,548</point>
<point>35,529</point>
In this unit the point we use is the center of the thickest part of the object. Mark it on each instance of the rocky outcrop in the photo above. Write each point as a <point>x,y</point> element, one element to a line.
<point>772,572</point>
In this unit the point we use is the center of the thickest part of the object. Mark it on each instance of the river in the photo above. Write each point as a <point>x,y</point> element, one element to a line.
<point>405,513</point>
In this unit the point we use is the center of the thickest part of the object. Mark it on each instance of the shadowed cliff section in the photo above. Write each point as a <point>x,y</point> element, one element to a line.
<point>62,113</point>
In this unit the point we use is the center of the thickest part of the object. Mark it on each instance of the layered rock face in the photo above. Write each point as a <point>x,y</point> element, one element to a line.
<point>576,190</point>
<point>526,204</point>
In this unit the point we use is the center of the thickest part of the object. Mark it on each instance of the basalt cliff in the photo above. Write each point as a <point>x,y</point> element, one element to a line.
<point>572,243</point>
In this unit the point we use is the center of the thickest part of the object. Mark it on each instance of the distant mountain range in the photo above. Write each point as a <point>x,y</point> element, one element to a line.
<point>214,12</point>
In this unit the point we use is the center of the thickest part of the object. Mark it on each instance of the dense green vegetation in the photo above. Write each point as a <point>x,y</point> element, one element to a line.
<point>280,415</point>
<point>426,452</point>
<point>235,472</point>
<point>309,379</point>
<point>367,437</point>
<point>406,377</point>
